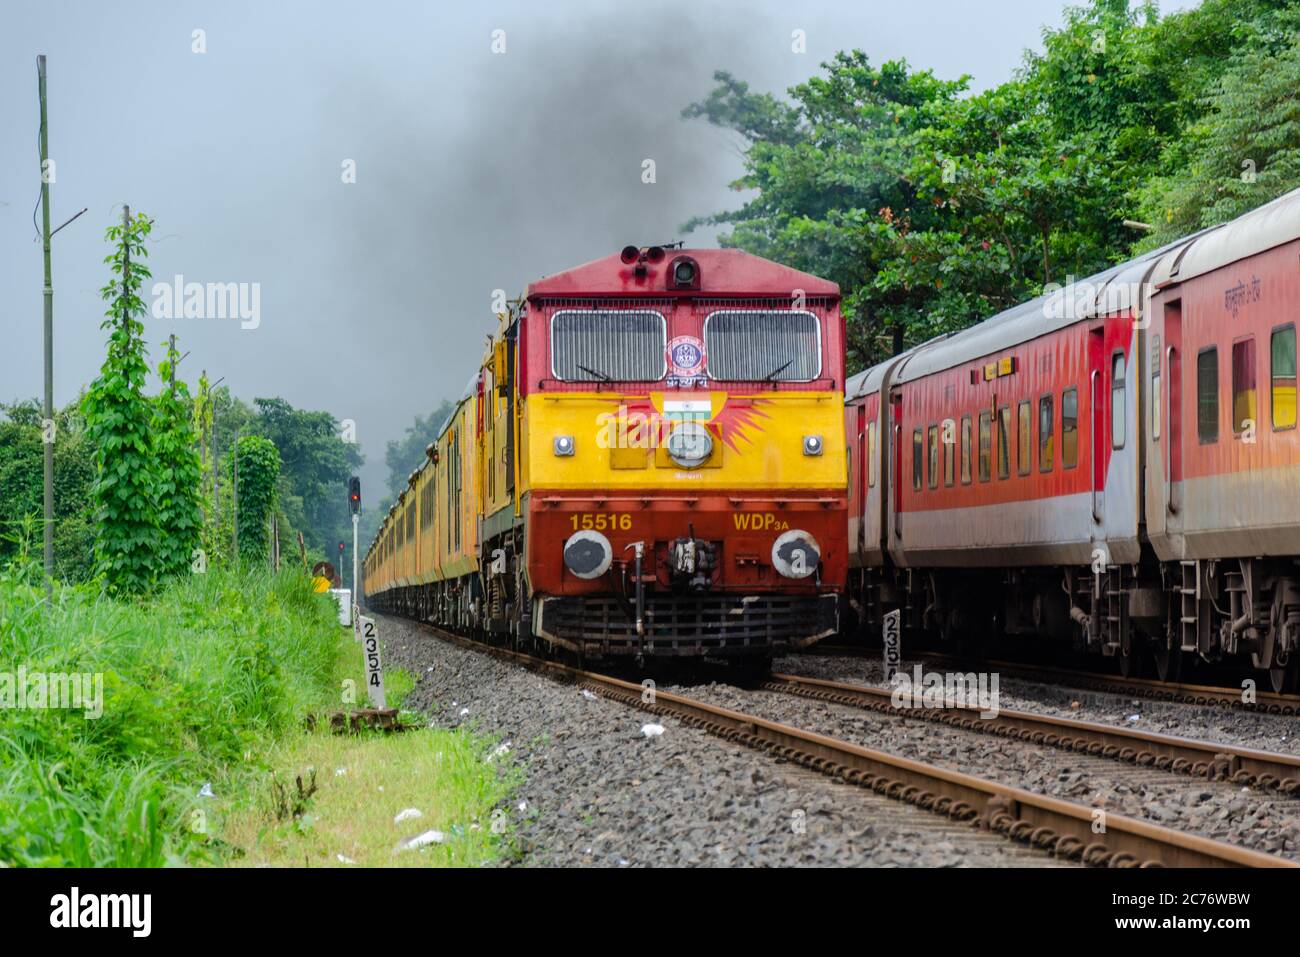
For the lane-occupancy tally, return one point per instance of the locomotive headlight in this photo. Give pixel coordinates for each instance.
(796, 554)
(563, 445)
(812, 445)
(684, 273)
(690, 445)
(587, 554)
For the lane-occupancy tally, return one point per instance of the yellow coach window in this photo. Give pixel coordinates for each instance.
(1243, 385)
(1024, 437)
(965, 449)
(1004, 442)
(917, 467)
(1070, 428)
(1046, 432)
(1283, 372)
(986, 443)
(932, 438)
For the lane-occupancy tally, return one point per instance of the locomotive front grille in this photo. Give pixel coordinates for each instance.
(689, 624)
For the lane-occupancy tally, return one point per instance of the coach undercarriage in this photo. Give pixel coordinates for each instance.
(1169, 614)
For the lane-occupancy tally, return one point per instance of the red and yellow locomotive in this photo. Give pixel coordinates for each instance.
(650, 462)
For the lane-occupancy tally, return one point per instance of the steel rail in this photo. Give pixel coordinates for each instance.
(1243, 766)
(1266, 702)
(1065, 829)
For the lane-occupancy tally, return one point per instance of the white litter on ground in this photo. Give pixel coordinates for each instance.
(652, 730)
(344, 859)
(408, 814)
(423, 840)
(206, 791)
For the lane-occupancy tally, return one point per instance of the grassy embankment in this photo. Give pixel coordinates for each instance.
(208, 683)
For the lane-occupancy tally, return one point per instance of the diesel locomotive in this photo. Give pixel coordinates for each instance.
(648, 463)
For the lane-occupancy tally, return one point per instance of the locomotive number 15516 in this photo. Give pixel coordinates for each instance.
(602, 521)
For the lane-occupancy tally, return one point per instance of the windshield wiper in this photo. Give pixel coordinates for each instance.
(777, 371)
(600, 375)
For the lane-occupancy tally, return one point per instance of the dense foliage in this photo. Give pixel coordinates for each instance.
(256, 469)
(119, 426)
(195, 682)
(180, 514)
(934, 208)
(22, 484)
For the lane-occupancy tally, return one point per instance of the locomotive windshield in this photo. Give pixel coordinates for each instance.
(763, 345)
(608, 345)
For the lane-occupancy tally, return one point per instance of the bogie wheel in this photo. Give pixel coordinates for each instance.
(1283, 680)
(1169, 662)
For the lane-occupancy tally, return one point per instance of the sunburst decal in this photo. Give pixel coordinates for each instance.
(734, 422)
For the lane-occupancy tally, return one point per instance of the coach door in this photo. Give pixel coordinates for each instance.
(1172, 467)
(1099, 435)
(896, 433)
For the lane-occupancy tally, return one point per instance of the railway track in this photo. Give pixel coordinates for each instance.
(1266, 702)
(1061, 828)
(1247, 767)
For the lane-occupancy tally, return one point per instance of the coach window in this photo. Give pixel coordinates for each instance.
(1004, 442)
(871, 455)
(986, 442)
(1024, 437)
(948, 452)
(1046, 431)
(1070, 428)
(917, 454)
(1207, 395)
(1283, 372)
(1117, 419)
(932, 437)
(1243, 386)
(965, 449)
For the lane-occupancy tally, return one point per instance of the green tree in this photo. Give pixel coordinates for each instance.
(119, 421)
(404, 455)
(180, 514)
(1242, 153)
(22, 484)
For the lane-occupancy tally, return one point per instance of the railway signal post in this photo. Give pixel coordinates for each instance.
(354, 502)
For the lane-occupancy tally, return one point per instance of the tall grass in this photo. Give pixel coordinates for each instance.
(196, 682)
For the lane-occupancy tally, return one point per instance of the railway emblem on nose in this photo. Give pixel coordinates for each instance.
(686, 355)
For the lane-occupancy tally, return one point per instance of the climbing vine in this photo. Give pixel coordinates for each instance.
(119, 424)
(180, 513)
(258, 463)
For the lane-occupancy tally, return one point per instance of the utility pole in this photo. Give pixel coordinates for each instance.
(171, 366)
(47, 432)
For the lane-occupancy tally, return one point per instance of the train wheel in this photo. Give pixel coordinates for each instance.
(1169, 663)
(1128, 663)
(1283, 680)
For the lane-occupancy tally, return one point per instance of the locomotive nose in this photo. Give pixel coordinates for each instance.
(796, 554)
(587, 554)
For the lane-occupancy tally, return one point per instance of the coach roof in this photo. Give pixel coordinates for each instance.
(723, 272)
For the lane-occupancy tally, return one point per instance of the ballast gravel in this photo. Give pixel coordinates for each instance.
(1251, 729)
(599, 789)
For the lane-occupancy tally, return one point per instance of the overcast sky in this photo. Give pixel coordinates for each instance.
(474, 170)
